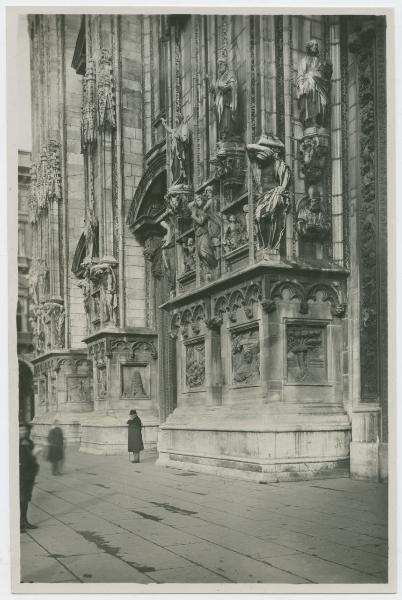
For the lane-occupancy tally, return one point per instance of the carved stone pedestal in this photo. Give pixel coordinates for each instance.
(125, 377)
(260, 378)
(63, 390)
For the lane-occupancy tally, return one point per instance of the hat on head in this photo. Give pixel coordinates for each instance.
(133, 412)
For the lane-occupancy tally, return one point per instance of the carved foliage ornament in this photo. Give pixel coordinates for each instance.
(88, 119)
(45, 180)
(106, 92)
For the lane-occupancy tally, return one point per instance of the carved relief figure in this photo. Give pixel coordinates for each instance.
(306, 358)
(272, 179)
(153, 253)
(195, 365)
(225, 94)
(180, 150)
(246, 357)
(189, 255)
(207, 229)
(313, 87)
(235, 234)
(310, 218)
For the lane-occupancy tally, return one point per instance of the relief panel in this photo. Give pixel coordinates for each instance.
(78, 389)
(135, 381)
(245, 351)
(195, 364)
(306, 353)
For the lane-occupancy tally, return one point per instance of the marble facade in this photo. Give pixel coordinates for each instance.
(209, 239)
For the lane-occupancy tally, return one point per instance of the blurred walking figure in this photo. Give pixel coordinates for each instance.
(55, 452)
(28, 470)
(135, 443)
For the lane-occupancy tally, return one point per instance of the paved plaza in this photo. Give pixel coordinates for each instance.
(107, 520)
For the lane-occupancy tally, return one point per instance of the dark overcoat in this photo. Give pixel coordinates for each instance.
(28, 469)
(135, 443)
(55, 442)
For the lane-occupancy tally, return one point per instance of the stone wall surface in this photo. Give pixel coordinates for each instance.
(208, 238)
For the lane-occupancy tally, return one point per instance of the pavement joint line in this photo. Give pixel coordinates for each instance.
(141, 537)
(230, 528)
(204, 539)
(294, 518)
(195, 535)
(54, 558)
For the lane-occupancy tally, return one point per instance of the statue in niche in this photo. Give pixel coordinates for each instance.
(246, 358)
(235, 233)
(189, 255)
(180, 151)
(207, 229)
(110, 295)
(310, 219)
(85, 286)
(168, 246)
(225, 94)
(272, 179)
(313, 87)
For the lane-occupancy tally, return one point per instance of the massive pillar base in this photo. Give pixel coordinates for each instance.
(276, 445)
(368, 456)
(63, 391)
(107, 433)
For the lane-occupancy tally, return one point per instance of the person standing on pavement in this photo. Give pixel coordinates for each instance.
(28, 470)
(55, 451)
(135, 443)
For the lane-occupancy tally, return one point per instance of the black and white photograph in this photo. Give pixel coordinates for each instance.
(202, 349)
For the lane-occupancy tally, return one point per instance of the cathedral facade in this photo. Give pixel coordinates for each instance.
(208, 208)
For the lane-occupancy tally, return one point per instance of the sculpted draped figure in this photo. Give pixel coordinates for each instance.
(181, 150)
(313, 87)
(272, 178)
(225, 94)
(207, 229)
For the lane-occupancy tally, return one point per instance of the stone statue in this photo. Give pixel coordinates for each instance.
(310, 219)
(313, 87)
(168, 245)
(225, 95)
(189, 255)
(272, 178)
(235, 233)
(207, 229)
(180, 151)
(110, 295)
(85, 286)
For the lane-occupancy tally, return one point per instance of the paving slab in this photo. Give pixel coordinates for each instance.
(104, 520)
(105, 569)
